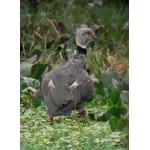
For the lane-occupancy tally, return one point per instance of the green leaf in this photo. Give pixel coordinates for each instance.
(29, 89)
(36, 103)
(125, 96)
(24, 86)
(103, 101)
(123, 110)
(37, 70)
(125, 83)
(25, 68)
(24, 96)
(115, 97)
(32, 59)
(108, 76)
(110, 102)
(28, 81)
(123, 123)
(113, 124)
(99, 89)
(116, 84)
(36, 83)
(115, 111)
(107, 92)
(119, 103)
(109, 115)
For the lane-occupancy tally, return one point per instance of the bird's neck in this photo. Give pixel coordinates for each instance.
(79, 57)
(81, 50)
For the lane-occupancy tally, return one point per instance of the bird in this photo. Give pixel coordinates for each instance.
(68, 87)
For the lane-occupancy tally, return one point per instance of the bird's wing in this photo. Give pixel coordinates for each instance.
(56, 87)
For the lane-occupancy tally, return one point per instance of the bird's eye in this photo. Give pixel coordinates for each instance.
(88, 33)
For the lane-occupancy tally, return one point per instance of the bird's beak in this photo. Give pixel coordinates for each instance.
(94, 37)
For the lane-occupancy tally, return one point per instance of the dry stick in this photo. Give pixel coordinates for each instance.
(38, 35)
(31, 46)
(53, 26)
(25, 109)
(61, 55)
(24, 49)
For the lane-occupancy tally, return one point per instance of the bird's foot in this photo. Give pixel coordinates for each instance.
(50, 120)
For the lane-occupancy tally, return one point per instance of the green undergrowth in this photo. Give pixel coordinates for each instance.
(69, 132)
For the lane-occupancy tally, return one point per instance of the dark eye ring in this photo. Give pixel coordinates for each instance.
(87, 32)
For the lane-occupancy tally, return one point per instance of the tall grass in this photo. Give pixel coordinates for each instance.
(56, 18)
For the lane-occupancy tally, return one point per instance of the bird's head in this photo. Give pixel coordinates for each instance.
(84, 36)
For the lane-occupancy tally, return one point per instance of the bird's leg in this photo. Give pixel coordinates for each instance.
(51, 120)
(81, 111)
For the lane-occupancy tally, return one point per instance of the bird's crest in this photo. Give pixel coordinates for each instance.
(82, 29)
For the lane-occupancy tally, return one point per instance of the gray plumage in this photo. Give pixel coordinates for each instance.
(68, 87)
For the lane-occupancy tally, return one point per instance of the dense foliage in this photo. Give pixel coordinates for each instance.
(47, 38)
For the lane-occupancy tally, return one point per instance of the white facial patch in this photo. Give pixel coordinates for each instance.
(83, 46)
